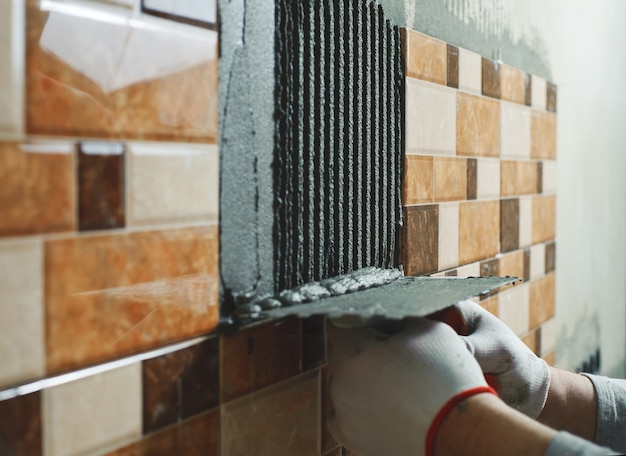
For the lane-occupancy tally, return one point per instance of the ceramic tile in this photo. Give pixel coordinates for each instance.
(283, 419)
(543, 135)
(313, 342)
(259, 357)
(549, 335)
(12, 70)
(328, 442)
(549, 176)
(538, 93)
(525, 221)
(490, 268)
(418, 182)
(539, 177)
(470, 71)
(21, 311)
(551, 97)
(451, 273)
(448, 235)
(37, 192)
(173, 183)
(478, 126)
(472, 178)
(491, 78)
(550, 358)
(512, 264)
(20, 426)
(426, 57)
(201, 14)
(450, 178)
(94, 413)
(544, 218)
(180, 384)
(518, 178)
(488, 178)
(542, 302)
(101, 186)
(469, 270)
(526, 264)
(528, 86)
(110, 295)
(537, 261)
(512, 84)
(514, 305)
(479, 230)
(430, 118)
(515, 130)
(453, 66)
(550, 262)
(419, 249)
(197, 436)
(533, 340)
(509, 224)
(491, 305)
(337, 451)
(92, 71)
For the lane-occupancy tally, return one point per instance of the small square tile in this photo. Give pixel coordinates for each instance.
(550, 97)
(12, 71)
(533, 341)
(543, 135)
(469, 270)
(426, 57)
(470, 71)
(20, 425)
(313, 342)
(513, 84)
(450, 178)
(490, 268)
(512, 264)
(488, 177)
(472, 178)
(430, 118)
(515, 130)
(453, 66)
(93, 413)
(525, 221)
(491, 78)
(544, 218)
(548, 176)
(448, 235)
(542, 300)
(539, 177)
(518, 178)
(514, 305)
(550, 358)
(451, 273)
(550, 262)
(528, 86)
(477, 126)
(479, 230)
(549, 333)
(526, 264)
(418, 181)
(491, 305)
(419, 250)
(537, 261)
(538, 92)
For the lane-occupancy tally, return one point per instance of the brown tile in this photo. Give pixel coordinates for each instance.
(453, 66)
(197, 436)
(37, 191)
(550, 257)
(179, 385)
(313, 342)
(426, 57)
(101, 186)
(419, 250)
(418, 182)
(138, 87)
(20, 426)
(518, 178)
(512, 84)
(450, 178)
(477, 126)
(509, 224)
(550, 97)
(490, 268)
(491, 78)
(544, 218)
(539, 177)
(527, 84)
(348, 452)
(542, 302)
(526, 265)
(543, 135)
(452, 273)
(550, 358)
(472, 178)
(491, 304)
(258, 357)
(512, 264)
(327, 440)
(479, 230)
(533, 341)
(112, 295)
(337, 451)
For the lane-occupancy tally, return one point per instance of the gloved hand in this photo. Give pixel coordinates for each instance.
(522, 379)
(390, 393)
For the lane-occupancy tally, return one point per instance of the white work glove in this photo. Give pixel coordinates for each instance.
(521, 378)
(390, 393)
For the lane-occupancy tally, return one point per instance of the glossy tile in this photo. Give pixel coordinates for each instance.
(490, 268)
(419, 244)
(543, 135)
(179, 385)
(418, 181)
(525, 221)
(544, 218)
(491, 78)
(110, 295)
(259, 357)
(512, 264)
(20, 426)
(101, 186)
(448, 235)
(550, 262)
(488, 178)
(477, 126)
(12, 70)
(453, 66)
(538, 92)
(37, 191)
(549, 176)
(173, 183)
(518, 178)
(515, 128)
(512, 84)
(514, 308)
(550, 97)
(542, 302)
(450, 178)
(21, 311)
(470, 71)
(479, 230)
(92, 71)
(430, 118)
(549, 334)
(94, 413)
(313, 342)
(426, 57)
(537, 261)
(282, 419)
(509, 224)
(472, 178)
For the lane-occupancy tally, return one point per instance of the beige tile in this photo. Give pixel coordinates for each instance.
(173, 183)
(430, 118)
(12, 68)
(21, 311)
(91, 414)
(470, 71)
(542, 300)
(512, 264)
(488, 178)
(282, 419)
(515, 130)
(491, 305)
(469, 270)
(450, 178)
(549, 176)
(418, 181)
(477, 126)
(525, 221)
(550, 358)
(479, 230)
(543, 135)
(538, 92)
(544, 218)
(531, 341)
(537, 261)
(518, 178)
(426, 57)
(549, 336)
(512, 84)
(448, 235)
(514, 308)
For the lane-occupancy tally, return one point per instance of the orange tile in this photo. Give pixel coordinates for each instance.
(117, 78)
(37, 191)
(491, 304)
(479, 230)
(418, 182)
(531, 341)
(450, 178)
(550, 358)
(426, 57)
(544, 218)
(477, 126)
(512, 264)
(542, 300)
(518, 177)
(512, 84)
(107, 296)
(543, 135)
